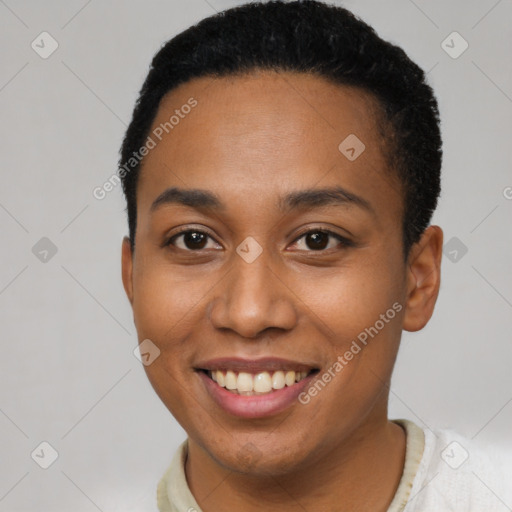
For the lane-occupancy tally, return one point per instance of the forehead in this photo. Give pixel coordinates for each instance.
(265, 132)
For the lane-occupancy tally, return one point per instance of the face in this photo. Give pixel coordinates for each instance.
(289, 250)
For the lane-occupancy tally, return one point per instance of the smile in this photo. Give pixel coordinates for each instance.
(254, 388)
(262, 383)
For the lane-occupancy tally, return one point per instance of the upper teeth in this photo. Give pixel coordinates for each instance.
(246, 383)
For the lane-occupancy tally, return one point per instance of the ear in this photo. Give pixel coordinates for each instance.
(423, 279)
(127, 268)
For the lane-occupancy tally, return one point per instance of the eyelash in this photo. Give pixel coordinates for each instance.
(344, 241)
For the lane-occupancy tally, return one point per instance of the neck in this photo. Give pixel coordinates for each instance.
(360, 473)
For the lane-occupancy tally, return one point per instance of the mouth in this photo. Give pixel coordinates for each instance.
(254, 388)
(256, 383)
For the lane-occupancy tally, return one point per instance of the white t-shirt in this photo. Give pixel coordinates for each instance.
(443, 472)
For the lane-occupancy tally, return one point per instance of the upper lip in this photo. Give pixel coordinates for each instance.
(263, 364)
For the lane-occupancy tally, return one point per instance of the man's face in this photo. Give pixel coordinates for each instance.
(207, 295)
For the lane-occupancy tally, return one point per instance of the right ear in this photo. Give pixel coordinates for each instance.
(127, 268)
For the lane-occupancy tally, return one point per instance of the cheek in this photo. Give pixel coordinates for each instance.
(350, 299)
(163, 302)
(165, 310)
(361, 315)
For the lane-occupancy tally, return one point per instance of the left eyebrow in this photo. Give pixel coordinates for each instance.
(317, 197)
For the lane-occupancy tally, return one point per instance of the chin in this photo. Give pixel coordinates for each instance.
(257, 456)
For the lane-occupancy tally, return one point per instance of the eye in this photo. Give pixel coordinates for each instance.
(192, 240)
(319, 240)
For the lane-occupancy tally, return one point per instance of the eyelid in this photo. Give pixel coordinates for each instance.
(344, 240)
(190, 228)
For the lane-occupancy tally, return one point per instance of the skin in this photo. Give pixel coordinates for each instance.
(250, 140)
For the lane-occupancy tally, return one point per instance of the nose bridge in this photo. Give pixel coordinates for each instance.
(251, 298)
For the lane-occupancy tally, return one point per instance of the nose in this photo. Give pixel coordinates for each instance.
(251, 298)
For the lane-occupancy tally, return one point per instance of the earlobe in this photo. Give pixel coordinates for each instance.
(423, 279)
(127, 268)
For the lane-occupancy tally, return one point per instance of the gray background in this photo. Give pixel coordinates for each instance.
(68, 373)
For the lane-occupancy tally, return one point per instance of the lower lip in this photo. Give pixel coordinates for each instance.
(255, 406)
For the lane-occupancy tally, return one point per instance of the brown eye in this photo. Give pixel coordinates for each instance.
(194, 240)
(190, 240)
(319, 240)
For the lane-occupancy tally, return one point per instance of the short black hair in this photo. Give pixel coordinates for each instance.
(309, 37)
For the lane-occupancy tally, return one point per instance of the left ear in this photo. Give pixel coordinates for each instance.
(423, 278)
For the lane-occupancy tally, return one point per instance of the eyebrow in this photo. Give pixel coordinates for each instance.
(301, 199)
(317, 197)
(195, 198)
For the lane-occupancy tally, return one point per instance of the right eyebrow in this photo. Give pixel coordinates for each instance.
(195, 198)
